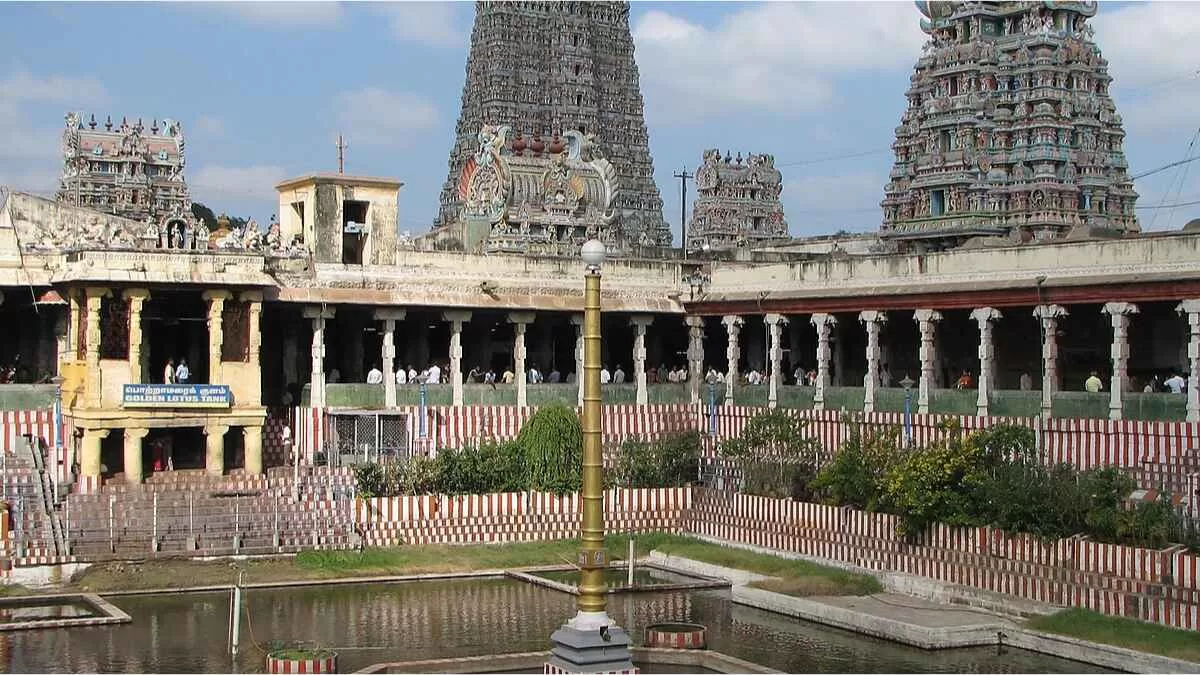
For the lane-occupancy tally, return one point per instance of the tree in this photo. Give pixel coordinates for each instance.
(206, 214)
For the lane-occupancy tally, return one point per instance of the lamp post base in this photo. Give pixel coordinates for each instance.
(590, 643)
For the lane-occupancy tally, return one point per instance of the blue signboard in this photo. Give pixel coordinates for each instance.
(177, 396)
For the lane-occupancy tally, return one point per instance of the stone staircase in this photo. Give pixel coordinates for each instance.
(29, 491)
(187, 513)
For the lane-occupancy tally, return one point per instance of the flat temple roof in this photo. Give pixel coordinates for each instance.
(340, 179)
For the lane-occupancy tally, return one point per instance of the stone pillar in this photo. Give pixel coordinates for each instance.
(389, 317)
(639, 324)
(1049, 316)
(137, 369)
(1119, 312)
(252, 437)
(92, 353)
(874, 321)
(134, 470)
(927, 320)
(577, 321)
(316, 396)
(695, 354)
(985, 316)
(214, 455)
(733, 326)
(824, 324)
(254, 299)
(775, 324)
(216, 333)
(520, 320)
(89, 453)
(1190, 310)
(456, 319)
(62, 341)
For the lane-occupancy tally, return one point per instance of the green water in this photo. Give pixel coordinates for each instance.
(371, 623)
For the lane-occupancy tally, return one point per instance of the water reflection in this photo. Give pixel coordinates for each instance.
(390, 622)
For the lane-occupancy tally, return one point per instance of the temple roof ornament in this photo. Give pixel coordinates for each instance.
(738, 203)
(1010, 134)
(514, 200)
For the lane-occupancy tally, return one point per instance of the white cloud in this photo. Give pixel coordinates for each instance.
(210, 125)
(22, 87)
(429, 23)
(376, 116)
(774, 57)
(213, 183)
(282, 14)
(1150, 47)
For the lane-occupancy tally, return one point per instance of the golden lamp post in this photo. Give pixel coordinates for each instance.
(591, 641)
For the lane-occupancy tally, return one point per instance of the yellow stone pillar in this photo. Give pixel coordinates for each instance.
(214, 456)
(216, 333)
(72, 353)
(134, 470)
(137, 300)
(89, 460)
(252, 443)
(92, 353)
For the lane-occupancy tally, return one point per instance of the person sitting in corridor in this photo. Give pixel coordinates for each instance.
(375, 375)
(1093, 384)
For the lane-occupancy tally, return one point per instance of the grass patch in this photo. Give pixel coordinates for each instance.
(799, 576)
(7, 590)
(301, 654)
(1121, 632)
(796, 577)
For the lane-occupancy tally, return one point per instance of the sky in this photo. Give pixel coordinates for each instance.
(264, 89)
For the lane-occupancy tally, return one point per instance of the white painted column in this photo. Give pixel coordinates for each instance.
(456, 319)
(695, 354)
(985, 316)
(520, 321)
(824, 324)
(775, 324)
(733, 326)
(639, 324)
(577, 321)
(389, 317)
(874, 321)
(1049, 316)
(1190, 310)
(318, 315)
(1119, 312)
(927, 320)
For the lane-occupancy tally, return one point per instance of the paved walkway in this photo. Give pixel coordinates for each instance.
(915, 611)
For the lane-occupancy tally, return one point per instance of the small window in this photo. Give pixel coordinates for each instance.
(945, 139)
(354, 231)
(937, 203)
(577, 69)
(579, 99)
(298, 209)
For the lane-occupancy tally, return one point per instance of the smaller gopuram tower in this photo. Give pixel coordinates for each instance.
(737, 205)
(1010, 131)
(125, 169)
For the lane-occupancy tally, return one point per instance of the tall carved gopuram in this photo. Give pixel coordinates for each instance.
(737, 205)
(543, 69)
(1010, 131)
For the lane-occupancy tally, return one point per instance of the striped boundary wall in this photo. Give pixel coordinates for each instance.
(513, 516)
(38, 423)
(1163, 450)
(1158, 586)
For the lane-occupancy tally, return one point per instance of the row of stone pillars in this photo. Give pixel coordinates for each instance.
(456, 319)
(927, 319)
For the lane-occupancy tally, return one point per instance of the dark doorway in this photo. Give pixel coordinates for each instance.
(175, 326)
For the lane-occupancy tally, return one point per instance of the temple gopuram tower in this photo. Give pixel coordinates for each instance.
(1010, 131)
(126, 169)
(545, 68)
(738, 204)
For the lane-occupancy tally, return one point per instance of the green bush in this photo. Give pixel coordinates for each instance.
(937, 483)
(776, 457)
(670, 461)
(551, 445)
(856, 476)
(481, 468)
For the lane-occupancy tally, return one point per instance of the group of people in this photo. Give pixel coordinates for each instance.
(1175, 383)
(177, 373)
(432, 374)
